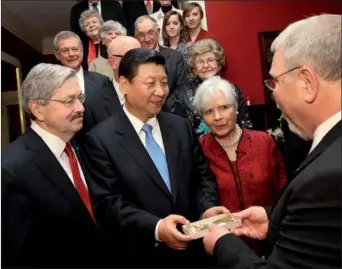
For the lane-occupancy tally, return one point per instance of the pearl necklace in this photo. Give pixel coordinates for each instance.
(237, 138)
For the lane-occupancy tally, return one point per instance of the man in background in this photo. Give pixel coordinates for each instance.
(116, 50)
(147, 33)
(101, 98)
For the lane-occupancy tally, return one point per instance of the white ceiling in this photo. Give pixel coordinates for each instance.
(46, 18)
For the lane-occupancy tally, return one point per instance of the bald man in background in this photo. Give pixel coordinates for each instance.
(116, 50)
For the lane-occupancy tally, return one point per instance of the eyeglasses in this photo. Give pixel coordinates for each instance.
(210, 61)
(70, 102)
(271, 83)
(67, 50)
(150, 34)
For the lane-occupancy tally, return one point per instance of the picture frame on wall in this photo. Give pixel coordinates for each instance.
(265, 41)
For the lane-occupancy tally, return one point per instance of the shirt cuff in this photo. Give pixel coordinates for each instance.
(156, 237)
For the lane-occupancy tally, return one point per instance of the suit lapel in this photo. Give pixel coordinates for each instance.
(130, 141)
(170, 145)
(53, 171)
(327, 140)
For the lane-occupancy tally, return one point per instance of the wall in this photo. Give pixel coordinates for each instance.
(236, 25)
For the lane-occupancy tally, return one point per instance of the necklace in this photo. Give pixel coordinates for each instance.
(237, 138)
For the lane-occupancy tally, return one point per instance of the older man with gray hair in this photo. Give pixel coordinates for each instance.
(147, 32)
(303, 229)
(47, 215)
(102, 100)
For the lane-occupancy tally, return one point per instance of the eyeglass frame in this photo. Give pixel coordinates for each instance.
(149, 33)
(81, 98)
(275, 79)
(67, 50)
(206, 62)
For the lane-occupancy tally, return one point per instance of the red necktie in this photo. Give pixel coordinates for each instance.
(79, 185)
(148, 4)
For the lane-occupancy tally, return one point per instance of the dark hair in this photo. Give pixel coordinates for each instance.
(184, 35)
(131, 61)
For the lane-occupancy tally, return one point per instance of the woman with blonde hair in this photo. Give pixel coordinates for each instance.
(206, 58)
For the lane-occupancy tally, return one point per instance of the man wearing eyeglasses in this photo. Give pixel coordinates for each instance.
(47, 215)
(102, 100)
(303, 228)
(147, 33)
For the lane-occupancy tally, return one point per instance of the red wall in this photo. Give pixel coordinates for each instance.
(236, 25)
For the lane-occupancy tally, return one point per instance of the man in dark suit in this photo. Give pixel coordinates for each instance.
(147, 33)
(150, 174)
(303, 229)
(135, 9)
(109, 10)
(46, 209)
(101, 98)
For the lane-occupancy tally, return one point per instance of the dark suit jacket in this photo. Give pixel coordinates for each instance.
(44, 221)
(130, 191)
(177, 73)
(110, 10)
(305, 223)
(101, 99)
(135, 9)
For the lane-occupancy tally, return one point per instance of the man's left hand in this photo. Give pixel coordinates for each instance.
(213, 211)
(215, 232)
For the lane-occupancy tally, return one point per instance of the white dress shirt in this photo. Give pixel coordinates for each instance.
(324, 128)
(159, 17)
(151, 5)
(156, 133)
(119, 92)
(80, 78)
(90, 5)
(57, 146)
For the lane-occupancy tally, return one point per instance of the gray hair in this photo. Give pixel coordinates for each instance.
(65, 35)
(145, 17)
(203, 46)
(87, 14)
(111, 26)
(206, 90)
(315, 42)
(42, 81)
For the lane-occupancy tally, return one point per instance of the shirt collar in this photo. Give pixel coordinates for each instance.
(324, 128)
(55, 144)
(138, 124)
(118, 91)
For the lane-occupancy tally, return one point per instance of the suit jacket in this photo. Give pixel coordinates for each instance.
(101, 100)
(305, 224)
(44, 221)
(130, 191)
(110, 10)
(135, 9)
(177, 73)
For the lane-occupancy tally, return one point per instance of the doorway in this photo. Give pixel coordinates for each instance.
(12, 114)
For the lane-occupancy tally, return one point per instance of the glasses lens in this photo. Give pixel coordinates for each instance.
(270, 83)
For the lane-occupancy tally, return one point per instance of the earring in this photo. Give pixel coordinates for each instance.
(237, 112)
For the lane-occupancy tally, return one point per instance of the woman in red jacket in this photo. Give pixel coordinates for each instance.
(248, 167)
